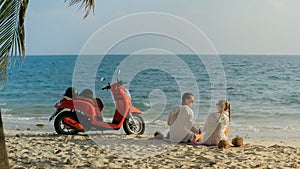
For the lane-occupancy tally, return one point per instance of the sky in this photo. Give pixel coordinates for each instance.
(232, 26)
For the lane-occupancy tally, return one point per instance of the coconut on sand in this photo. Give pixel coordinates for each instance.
(237, 141)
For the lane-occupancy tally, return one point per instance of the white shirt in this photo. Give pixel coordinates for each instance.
(173, 114)
(183, 127)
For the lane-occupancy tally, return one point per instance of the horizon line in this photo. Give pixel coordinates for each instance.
(224, 54)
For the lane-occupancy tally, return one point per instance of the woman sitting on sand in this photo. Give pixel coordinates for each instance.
(216, 125)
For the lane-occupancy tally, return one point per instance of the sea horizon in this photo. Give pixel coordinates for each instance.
(179, 54)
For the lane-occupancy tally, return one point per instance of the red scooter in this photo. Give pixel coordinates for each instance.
(75, 114)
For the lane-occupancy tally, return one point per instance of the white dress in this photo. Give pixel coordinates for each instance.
(183, 128)
(214, 128)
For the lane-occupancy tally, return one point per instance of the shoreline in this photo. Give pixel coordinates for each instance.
(114, 150)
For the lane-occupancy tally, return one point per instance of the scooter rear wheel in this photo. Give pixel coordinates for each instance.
(61, 128)
(134, 127)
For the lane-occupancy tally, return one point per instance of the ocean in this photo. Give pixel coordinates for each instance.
(264, 90)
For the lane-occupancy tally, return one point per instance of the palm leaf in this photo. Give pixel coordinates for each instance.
(12, 34)
(88, 5)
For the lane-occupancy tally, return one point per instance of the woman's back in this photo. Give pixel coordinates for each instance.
(214, 128)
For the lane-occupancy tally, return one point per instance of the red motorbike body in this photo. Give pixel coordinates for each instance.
(123, 105)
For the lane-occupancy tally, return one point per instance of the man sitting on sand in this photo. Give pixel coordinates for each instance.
(181, 121)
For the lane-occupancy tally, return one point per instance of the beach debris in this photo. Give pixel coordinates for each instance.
(158, 135)
(66, 139)
(28, 129)
(223, 144)
(40, 125)
(237, 141)
(259, 165)
(275, 146)
(138, 136)
(57, 151)
(161, 155)
(211, 163)
(294, 165)
(68, 161)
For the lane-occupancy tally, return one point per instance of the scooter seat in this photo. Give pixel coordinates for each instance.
(66, 97)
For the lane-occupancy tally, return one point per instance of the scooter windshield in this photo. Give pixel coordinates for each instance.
(127, 93)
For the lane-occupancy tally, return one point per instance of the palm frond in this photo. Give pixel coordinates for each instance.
(88, 5)
(12, 34)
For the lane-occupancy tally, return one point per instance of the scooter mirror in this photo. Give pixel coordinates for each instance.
(102, 79)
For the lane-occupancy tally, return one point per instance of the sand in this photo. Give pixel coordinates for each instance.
(32, 149)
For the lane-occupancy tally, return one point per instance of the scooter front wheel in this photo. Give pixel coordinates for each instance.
(62, 128)
(134, 124)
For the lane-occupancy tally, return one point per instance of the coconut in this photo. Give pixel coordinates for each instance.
(158, 135)
(223, 144)
(237, 141)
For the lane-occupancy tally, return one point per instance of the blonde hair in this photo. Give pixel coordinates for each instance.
(225, 106)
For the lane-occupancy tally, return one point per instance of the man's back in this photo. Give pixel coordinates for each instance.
(173, 114)
(180, 130)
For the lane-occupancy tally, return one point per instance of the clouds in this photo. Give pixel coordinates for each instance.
(289, 6)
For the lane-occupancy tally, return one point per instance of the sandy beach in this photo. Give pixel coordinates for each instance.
(34, 149)
(202, 71)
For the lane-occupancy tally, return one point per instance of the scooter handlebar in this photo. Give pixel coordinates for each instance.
(120, 83)
(106, 88)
